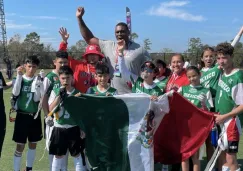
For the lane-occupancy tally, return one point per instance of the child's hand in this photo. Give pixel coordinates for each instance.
(62, 92)
(202, 97)
(49, 121)
(170, 93)
(78, 94)
(219, 119)
(20, 70)
(107, 94)
(154, 98)
(175, 88)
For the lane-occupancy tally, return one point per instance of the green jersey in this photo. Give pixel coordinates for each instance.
(230, 91)
(210, 78)
(161, 82)
(139, 86)
(96, 91)
(25, 101)
(192, 92)
(51, 82)
(64, 117)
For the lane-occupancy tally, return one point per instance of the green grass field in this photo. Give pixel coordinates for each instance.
(6, 162)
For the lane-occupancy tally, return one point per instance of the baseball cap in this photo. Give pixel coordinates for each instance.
(93, 49)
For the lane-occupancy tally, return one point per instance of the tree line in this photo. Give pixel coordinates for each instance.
(31, 45)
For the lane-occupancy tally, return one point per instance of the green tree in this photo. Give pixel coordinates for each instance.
(133, 36)
(77, 50)
(147, 43)
(195, 47)
(16, 52)
(32, 43)
(238, 54)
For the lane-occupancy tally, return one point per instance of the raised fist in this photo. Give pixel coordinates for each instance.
(121, 45)
(80, 12)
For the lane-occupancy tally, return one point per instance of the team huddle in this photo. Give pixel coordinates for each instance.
(112, 68)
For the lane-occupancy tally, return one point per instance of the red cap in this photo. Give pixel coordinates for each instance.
(93, 49)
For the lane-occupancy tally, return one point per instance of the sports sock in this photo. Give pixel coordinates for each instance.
(65, 162)
(17, 160)
(31, 153)
(57, 164)
(50, 157)
(78, 163)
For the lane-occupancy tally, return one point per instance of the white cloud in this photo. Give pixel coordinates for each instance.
(169, 9)
(43, 17)
(10, 24)
(10, 14)
(48, 40)
(235, 20)
(13, 25)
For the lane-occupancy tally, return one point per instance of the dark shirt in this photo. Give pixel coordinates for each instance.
(2, 84)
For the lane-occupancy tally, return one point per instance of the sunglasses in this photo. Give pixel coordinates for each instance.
(149, 70)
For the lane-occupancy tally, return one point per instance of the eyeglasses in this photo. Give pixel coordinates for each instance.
(149, 70)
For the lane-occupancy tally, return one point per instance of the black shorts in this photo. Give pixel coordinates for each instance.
(233, 146)
(63, 139)
(2, 128)
(27, 127)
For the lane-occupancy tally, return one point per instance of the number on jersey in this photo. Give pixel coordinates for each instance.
(29, 96)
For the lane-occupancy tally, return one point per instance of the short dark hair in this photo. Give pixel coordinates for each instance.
(194, 68)
(225, 48)
(102, 68)
(33, 59)
(122, 24)
(159, 61)
(61, 54)
(65, 70)
(178, 54)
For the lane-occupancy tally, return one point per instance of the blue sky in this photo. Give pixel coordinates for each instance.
(168, 24)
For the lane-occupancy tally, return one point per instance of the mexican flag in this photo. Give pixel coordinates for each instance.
(126, 132)
(182, 131)
(119, 130)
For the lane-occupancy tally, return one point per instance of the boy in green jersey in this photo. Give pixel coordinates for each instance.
(102, 75)
(28, 90)
(161, 78)
(210, 72)
(143, 83)
(200, 97)
(51, 81)
(65, 134)
(229, 104)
